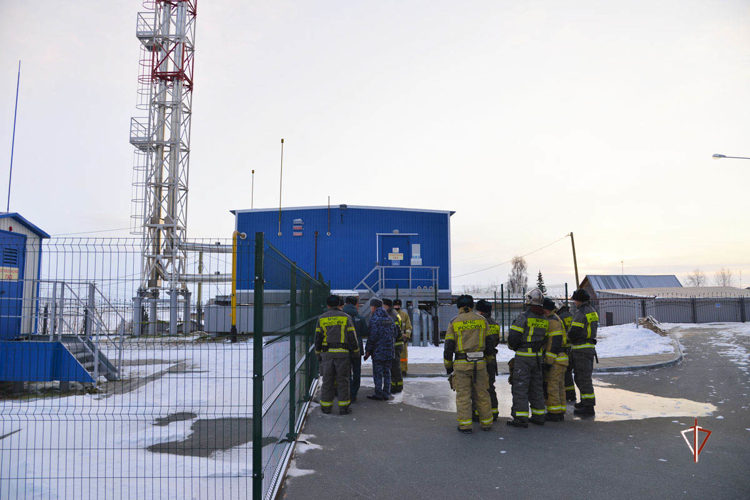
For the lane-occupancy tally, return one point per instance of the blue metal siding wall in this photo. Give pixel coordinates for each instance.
(350, 252)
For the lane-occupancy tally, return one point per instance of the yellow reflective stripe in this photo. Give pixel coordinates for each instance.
(535, 411)
(562, 357)
(556, 408)
(555, 333)
(575, 323)
(522, 414)
(486, 421)
(552, 355)
(583, 346)
(338, 350)
(570, 387)
(464, 422)
(516, 328)
(587, 396)
(326, 403)
(344, 403)
(449, 335)
(495, 411)
(397, 383)
(528, 354)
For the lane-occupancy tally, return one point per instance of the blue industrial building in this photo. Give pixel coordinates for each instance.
(355, 247)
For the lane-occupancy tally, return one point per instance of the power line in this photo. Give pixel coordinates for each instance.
(511, 260)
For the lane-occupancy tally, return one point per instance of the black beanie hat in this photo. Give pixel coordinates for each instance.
(376, 302)
(549, 304)
(388, 302)
(581, 295)
(484, 306)
(333, 301)
(352, 300)
(397, 302)
(465, 301)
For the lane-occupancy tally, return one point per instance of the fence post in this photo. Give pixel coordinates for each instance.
(258, 369)
(694, 307)
(187, 324)
(174, 295)
(89, 315)
(137, 316)
(292, 355)
(566, 295)
(742, 309)
(502, 312)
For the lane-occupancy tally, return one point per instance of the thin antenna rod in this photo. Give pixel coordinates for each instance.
(281, 177)
(13, 141)
(252, 192)
(329, 217)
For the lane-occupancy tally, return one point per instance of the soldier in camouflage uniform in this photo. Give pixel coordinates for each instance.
(380, 347)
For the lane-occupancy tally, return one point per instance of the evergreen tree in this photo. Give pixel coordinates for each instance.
(540, 283)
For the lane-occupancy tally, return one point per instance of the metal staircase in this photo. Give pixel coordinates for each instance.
(81, 326)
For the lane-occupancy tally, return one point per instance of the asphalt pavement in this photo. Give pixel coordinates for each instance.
(412, 450)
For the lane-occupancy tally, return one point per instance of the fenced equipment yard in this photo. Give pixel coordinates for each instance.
(102, 394)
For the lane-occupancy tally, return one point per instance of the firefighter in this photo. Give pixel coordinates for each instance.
(563, 311)
(527, 335)
(397, 379)
(406, 331)
(555, 364)
(335, 345)
(493, 339)
(582, 336)
(465, 341)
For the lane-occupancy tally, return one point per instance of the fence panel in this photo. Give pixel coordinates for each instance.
(110, 390)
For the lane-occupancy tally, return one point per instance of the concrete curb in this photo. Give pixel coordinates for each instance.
(676, 359)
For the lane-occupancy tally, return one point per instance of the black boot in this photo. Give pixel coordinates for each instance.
(464, 431)
(553, 417)
(376, 397)
(570, 396)
(537, 419)
(517, 422)
(345, 410)
(586, 411)
(579, 405)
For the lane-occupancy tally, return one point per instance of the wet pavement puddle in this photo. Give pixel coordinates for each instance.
(612, 404)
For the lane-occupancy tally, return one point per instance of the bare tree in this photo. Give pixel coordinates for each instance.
(723, 277)
(518, 279)
(696, 278)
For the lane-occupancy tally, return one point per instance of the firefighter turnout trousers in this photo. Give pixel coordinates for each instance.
(491, 376)
(583, 368)
(405, 357)
(527, 387)
(555, 378)
(469, 380)
(570, 388)
(336, 372)
(397, 378)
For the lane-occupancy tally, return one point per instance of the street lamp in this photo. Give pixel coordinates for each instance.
(719, 157)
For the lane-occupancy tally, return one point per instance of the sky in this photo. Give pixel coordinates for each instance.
(529, 119)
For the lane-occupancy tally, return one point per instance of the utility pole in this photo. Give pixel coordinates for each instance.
(575, 261)
(252, 192)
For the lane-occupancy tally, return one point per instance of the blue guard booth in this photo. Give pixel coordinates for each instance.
(24, 355)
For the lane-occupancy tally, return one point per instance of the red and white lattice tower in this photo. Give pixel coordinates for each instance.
(162, 140)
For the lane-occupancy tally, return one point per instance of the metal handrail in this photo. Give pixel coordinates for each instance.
(381, 281)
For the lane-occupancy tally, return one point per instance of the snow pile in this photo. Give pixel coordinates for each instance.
(627, 340)
(724, 337)
(612, 342)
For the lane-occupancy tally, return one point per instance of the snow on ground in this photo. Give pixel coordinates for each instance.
(105, 435)
(613, 341)
(724, 338)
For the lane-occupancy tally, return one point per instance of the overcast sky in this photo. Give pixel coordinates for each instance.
(529, 119)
